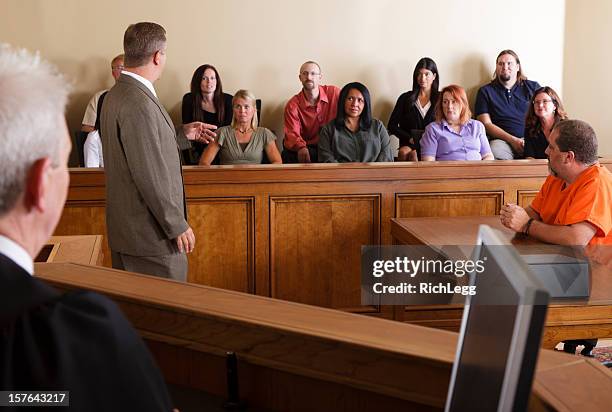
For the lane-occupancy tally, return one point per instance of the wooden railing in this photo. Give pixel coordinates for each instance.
(299, 357)
(294, 232)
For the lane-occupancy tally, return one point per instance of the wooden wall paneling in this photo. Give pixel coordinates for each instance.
(85, 218)
(485, 203)
(262, 244)
(315, 247)
(387, 213)
(225, 250)
(554, 334)
(402, 189)
(525, 197)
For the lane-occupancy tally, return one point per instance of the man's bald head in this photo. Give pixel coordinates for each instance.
(309, 63)
(310, 76)
(117, 65)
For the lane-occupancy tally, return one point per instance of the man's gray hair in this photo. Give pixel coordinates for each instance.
(33, 96)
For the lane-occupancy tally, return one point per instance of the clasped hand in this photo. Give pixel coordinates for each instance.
(514, 217)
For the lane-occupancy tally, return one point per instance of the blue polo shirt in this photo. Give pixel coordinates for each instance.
(507, 108)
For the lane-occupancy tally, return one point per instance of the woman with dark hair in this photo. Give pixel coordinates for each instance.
(206, 103)
(414, 110)
(543, 114)
(454, 135)
(353, 136)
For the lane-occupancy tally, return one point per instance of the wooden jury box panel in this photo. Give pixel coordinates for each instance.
(224, 252)
(484, 203)
(295, 232)
(315, 245)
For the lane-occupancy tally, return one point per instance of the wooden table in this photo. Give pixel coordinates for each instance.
(590, 318)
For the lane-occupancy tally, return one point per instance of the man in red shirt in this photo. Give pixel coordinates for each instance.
(574, 206)
(305, 113)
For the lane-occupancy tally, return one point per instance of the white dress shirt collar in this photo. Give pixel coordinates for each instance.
(17, 254)
(142, 80)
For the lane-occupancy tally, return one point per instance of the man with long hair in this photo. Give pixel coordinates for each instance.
(502, 105)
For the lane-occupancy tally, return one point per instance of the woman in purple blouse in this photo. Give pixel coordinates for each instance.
(454, 135)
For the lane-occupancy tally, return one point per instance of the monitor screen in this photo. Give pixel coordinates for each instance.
(500, 332)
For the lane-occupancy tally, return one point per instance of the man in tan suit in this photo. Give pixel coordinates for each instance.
(146, 215)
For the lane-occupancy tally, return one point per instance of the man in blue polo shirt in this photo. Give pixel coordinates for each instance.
(502, 105)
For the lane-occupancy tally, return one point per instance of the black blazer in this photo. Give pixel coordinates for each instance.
(78, 341)
(406, 117)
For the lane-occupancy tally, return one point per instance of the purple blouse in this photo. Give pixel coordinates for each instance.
(443, 143)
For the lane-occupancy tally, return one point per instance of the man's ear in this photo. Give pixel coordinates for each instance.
(571, 157)
(157, 57)
(36, 185)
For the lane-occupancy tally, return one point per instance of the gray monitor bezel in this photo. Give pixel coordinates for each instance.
(530, 293)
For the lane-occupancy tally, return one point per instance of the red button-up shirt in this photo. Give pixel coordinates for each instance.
(303, 121)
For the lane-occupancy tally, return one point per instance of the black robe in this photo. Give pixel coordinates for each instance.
(78, 341)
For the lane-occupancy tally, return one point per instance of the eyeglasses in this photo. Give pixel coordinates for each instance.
(544, 102)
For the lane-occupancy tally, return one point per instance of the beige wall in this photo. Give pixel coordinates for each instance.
(260, 44)
(588, 66)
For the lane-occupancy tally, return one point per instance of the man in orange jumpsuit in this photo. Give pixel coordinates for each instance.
(574, 206)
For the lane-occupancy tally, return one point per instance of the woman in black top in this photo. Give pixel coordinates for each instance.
(205, 103)
(415, 109)
(544, 113)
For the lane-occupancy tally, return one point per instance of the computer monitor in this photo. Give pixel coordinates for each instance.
(500, 333)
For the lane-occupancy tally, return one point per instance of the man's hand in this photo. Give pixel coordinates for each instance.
(201, 132)
(303, 155)
(514, 217)
(186, 241)
(518, 145)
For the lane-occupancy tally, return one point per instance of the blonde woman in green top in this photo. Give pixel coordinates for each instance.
(243, 142)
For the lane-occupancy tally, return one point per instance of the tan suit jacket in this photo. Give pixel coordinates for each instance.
(145, 201)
